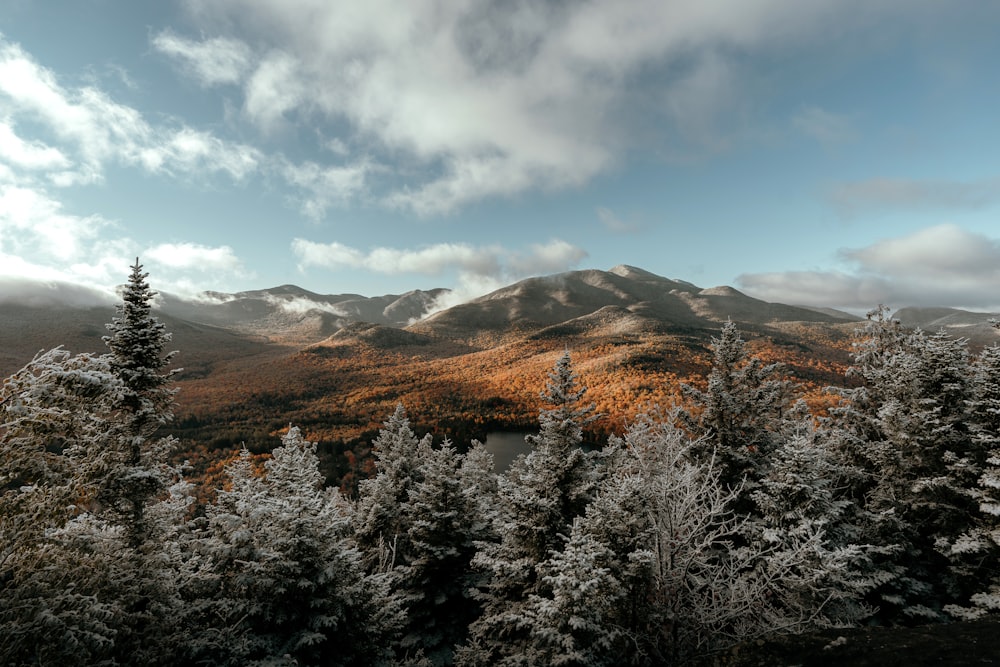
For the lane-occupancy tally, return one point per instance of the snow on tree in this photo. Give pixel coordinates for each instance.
(981, 542)
(49, 611)
(538, 498)
(799, 503)
(128, 469)
(435, 581)
(380, 526)
(908, 429)
(282, 580)
(573, 623)
(735, 417)
(710, 586)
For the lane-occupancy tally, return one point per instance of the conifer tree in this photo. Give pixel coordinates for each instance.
(49, 608)
(435, 582)
(735, 418)
(129, 469)
(283, 582)
(538, 498)
(380, 525)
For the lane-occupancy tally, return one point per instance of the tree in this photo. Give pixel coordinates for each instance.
(49, 609)
(538, 498)
(444, 524)
(129, 470)
(735, 418)
(380, 525)
(708, 584)
(283, 582)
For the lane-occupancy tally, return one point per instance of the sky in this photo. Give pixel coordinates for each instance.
(838, 153)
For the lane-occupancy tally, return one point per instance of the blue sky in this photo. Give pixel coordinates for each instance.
(833, 152)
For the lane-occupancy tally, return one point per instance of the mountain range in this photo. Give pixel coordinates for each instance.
(339, 361)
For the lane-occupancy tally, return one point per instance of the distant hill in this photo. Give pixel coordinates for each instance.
(976, 327)
(336, 364)
(624, 299)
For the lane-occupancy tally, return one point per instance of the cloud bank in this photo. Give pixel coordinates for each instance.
(480, 100)
(944, 264)
(480, 269)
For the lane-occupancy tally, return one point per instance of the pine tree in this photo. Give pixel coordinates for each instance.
(444, 524)
(736, 417)
(538, 498)
(380, 525)
(49, 609)
(128, 469)
(283, 582)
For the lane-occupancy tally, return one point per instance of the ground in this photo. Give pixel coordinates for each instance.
(953, 644)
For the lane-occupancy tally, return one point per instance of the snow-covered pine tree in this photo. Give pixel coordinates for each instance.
(907, 429)
(799, 503)
(735, 418)
(981, 543)
(538, 498)
(128, 470)
(283, 581)
(575, 621)
(379, 524)
(49, 611)
(435, 582)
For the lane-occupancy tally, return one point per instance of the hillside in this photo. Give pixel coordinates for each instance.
(337, 364)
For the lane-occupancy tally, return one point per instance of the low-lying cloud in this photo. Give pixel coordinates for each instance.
(940, 265)
(480, 269)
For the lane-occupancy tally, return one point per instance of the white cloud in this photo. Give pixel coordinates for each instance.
(493, 99)
(491, 262)
(212, 62)
(32, 222)
(612, 222)
(192, 256)
(321, 187)
(941, 265)
(48, 292)
(93, 131)
(274, 89)
(29, 154)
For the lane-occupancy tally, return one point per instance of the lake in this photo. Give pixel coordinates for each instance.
(505, 447)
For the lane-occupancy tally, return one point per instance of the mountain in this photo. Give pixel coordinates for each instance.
(976, 327)
(290, 314)
(624, 299)
(337, 364)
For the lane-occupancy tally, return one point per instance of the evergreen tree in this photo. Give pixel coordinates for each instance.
(283, 582)
(538, 498)
(435, 582)
(128, 470)
(49, 608)
(381, 526)
(736, 417)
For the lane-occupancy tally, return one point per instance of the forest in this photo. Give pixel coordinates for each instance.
(735, 514)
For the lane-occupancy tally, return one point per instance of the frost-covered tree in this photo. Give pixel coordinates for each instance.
(86, 426)
(128, 469)
(980, 544)
(735, 418)
(282, 581)
(380, 525)
(49, 608)
(908, 429)
(710, 585)
(436, 580)
(798, 503)
(538, 498)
